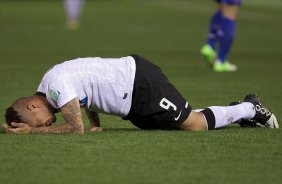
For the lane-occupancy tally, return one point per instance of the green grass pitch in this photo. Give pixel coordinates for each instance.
(170, 33)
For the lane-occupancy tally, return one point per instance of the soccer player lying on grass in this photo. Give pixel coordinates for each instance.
(129, 87)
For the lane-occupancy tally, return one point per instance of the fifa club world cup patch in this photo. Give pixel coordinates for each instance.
(54, 94)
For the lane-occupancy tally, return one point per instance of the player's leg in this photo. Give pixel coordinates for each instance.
(208, 50)
(157, 104)
(218, 116)
(226, 35)
(195, 122)
(213, 28)
(73, 10)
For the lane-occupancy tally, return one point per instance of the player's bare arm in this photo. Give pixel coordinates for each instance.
(73, 122)
(94, 121)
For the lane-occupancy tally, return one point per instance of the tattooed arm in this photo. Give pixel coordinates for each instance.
(94, 121)
(73, 122)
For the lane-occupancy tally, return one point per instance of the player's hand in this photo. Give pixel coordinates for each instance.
(95, 129)
(5, 126)
(20, 128)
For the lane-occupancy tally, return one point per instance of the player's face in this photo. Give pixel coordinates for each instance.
(39, 117)
(43, 117)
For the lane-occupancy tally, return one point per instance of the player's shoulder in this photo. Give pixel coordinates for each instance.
(54, 74)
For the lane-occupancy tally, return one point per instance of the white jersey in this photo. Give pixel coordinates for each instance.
(101, 84)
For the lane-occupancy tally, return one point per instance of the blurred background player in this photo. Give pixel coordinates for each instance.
(221, 34)
(73, 10)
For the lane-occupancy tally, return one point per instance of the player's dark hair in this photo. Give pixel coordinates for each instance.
(12, 116)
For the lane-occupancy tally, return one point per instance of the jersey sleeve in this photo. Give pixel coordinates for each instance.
(60, 91)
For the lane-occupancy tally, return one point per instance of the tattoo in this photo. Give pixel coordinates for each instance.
(93, 117)
(56, 129)
(73, 120)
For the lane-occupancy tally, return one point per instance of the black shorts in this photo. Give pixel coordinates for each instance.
(156, 104)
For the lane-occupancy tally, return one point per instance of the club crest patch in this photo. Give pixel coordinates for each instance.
(54, 94)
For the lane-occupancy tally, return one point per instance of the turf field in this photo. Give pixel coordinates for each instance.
(170, 33)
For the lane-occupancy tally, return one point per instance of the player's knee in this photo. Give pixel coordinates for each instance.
(195, 122)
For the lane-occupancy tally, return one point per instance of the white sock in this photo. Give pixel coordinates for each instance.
(229, 114)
